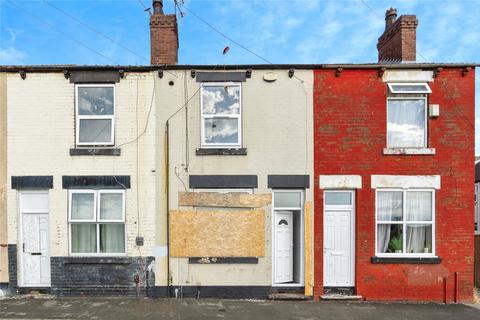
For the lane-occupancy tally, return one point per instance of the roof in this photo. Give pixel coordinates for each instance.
(146, 68)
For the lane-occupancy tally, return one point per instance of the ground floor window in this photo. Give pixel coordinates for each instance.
(405, 222)
(97, 221)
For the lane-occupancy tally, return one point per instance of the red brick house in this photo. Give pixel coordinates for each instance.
(394, 143)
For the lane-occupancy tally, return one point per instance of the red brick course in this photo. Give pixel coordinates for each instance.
(349, 136)
(163, 39)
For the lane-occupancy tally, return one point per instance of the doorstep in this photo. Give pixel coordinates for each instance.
(341, 297)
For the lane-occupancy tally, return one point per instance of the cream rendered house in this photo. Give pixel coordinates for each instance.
(238, 155)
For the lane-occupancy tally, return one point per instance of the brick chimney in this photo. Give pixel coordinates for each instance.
(163, 36)
(398, 43)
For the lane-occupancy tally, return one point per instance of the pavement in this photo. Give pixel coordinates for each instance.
(184, 309)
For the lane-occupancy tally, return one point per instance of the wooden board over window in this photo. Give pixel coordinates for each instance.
(217, 233)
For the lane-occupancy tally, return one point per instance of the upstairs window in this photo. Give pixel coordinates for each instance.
(95, 114)
(221, 115)
(407, 115)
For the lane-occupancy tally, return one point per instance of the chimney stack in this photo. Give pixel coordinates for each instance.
(398, 43)
(163, 36)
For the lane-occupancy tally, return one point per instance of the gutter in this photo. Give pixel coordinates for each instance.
(61, 68)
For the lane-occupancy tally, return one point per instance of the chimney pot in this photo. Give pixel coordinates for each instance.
(390, 17)
(157, 6)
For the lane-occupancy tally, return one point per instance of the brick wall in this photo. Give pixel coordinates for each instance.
(12, 267)
(100, 276)
(163, 39)
(349, 135)
(477, 260)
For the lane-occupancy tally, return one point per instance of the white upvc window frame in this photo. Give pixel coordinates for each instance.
(404, 222)
(97, 221)
(302, 231)
(425, 102)
(79, 117)
(340, 206)
(229, 116)
(424, 84)
(70, 202)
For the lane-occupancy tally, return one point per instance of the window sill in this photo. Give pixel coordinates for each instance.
(409, 151)
(95, 151)
(223, 260)
(221, 151)
(406, 260)
(96, 260)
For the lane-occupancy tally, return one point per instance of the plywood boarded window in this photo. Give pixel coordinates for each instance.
(217, 233)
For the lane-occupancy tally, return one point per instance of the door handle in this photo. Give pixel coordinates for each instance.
(23, 247)
(36, 253)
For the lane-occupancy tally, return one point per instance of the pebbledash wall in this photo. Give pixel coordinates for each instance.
(350, 136)
(41, 142)
(220, 246)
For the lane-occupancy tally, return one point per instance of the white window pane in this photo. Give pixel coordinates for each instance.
(406, 123)
(221, 130)
(112, 238)
(338, 198)
(419, 238)
(220, 100)
(95, 100)
(389, 205)
(287, 199)
(84, 238)
(390, 238)
(83, 206)
(95, 131)
(410, 88)
(34, 202)
(419, 206)
(111, 206)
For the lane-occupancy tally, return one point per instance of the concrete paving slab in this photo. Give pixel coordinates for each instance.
(185, 309)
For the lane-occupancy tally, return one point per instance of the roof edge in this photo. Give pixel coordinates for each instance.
(61, 68)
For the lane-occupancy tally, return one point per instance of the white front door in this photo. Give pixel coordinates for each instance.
(339, 237)
(35, 257)
(283, 246)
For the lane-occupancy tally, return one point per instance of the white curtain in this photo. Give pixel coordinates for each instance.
(389, 208)
(112, 238)
(419, 208)
(419, 238)
(84, 238)
(406, 123)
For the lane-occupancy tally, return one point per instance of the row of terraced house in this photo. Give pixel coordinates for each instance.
(240, 181)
